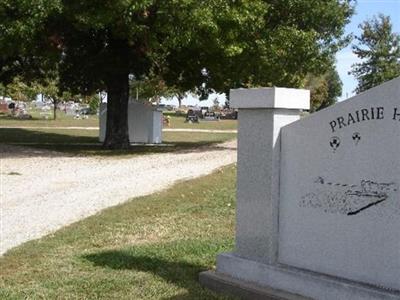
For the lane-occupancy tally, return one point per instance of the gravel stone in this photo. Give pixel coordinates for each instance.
(42, 191)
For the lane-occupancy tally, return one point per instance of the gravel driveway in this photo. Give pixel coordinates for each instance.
(42, 191)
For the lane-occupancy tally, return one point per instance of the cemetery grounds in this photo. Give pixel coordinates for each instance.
(151, 247)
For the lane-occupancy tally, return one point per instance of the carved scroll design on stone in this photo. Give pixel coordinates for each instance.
(352, 199)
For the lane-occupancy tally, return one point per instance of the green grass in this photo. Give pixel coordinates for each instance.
(93, 121)
(85, 142)
(179, 122)
(151, 247)
(38, 121)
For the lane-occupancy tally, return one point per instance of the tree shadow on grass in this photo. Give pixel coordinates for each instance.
(62, 144)
(172, 269)
(180, 273)
(31, 136)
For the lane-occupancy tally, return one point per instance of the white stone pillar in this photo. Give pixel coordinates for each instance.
(262, 113)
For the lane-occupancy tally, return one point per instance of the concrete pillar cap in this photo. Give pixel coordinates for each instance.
(274, 97)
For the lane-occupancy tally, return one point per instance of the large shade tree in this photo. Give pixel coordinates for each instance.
(378, 48)
(209, 45)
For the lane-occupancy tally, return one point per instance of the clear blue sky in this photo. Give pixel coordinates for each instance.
(365, 9)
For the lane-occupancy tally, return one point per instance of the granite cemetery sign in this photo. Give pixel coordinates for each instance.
(318, 211)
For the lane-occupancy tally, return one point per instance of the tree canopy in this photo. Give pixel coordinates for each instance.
(325, 89)
(212, 45)
(379, 50)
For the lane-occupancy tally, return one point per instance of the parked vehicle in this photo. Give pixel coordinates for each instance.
(192, 116)
(84, 111)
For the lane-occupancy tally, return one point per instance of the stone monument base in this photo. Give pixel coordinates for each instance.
(253, 280)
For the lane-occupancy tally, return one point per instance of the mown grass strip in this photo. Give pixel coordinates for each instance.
(85, 142)
(151, 247)
(93, 121)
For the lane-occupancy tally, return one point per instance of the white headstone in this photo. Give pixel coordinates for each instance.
(318, 200)
(144, 122)
(340, 189)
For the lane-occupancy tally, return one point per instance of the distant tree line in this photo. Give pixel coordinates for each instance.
(48, 90)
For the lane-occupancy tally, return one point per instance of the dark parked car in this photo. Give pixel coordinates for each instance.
(191, 116)
(84, 111)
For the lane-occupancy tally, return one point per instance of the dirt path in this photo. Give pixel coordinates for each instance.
(42, 191)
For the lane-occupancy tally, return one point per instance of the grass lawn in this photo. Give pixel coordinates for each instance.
(93, 121)
(85, 142)
(38, 121)
(151, 247)
(179, 122)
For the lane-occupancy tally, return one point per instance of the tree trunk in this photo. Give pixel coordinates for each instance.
(180, 101)
(55, 109)
(117, 136)
(117, 83)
